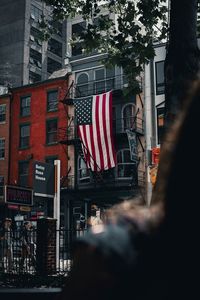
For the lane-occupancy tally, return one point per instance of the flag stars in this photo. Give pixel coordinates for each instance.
(84, 111)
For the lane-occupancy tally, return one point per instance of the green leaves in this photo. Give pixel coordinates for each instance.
(124, 29)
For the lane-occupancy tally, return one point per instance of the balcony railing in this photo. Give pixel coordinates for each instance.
(119, 126)
(118, 82)
(104, 181)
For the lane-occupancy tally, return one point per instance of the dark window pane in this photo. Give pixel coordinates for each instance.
(23, 173)
(2, 148)
(160, 123)
(52, 101)
(51, 129)
(160, 83)
(1, 185)
(55, 47)
(2, 113)
(53, 65)
(24, 136)
(25, 106)
(34, 77)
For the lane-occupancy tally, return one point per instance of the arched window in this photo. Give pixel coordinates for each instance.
(83, 171)
(82, 84)
(128, 116)
(125, 167)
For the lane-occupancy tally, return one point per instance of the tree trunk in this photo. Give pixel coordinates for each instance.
(183, 56)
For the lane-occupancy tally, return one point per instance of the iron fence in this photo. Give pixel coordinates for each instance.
(17, 258)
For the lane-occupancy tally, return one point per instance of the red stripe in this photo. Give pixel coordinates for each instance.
(111, 129)
(101, 166)
(83, 144)
(86, 146)
(93, 148)
(105, 131)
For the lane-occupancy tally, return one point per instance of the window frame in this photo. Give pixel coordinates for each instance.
(55, 102)
(2, 186)
(25, 175)
(54, 132)
(3, 113)
(2, 149)
(83, 85)
(159, 85)
(123, 163)
(131, 118)
(52, 158)
(160, 129)
(83, 179)
(22, 108)
(21, 146)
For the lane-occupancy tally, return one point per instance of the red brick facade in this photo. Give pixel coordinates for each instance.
(38, 149)
(4, 134)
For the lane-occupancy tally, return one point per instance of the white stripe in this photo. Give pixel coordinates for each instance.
(91, 158)
(83, 140)
(108, 130)
(96, 147)
(103, 144)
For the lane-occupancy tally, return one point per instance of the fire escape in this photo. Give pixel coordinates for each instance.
(68, 137)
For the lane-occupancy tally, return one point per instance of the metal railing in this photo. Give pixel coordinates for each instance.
(118, 82)
(17, 258)
(119, 126)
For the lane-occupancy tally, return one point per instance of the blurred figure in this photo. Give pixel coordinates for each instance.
(28, 245)
(94, 220)
(6, 237)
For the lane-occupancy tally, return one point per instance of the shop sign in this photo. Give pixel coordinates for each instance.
(18, 195)
(43, 180)
(25, 208)
(15, 207)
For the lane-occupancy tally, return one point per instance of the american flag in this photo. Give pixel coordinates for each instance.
(94, 121)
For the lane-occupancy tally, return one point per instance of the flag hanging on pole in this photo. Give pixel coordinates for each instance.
(94, 121)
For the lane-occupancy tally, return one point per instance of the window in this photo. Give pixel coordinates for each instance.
(36, 13)
(104, 80)
(24, 136)
(77, 30)
(160, 123)
(36, 36)
(51, 131)
(25, 106)
(52, 100)
(55, 47)
(2, 112)
(35, 58)
(99, 81)
(83, 171)
(2, 148)
(51, 159)
(1, 185)
(82, 84)
(53, 65)
(57, 27)
(34, 77)
(128, 114)
(160, 83)
(23, 173)
(125, 167)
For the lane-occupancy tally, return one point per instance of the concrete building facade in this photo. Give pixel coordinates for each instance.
(24, 57)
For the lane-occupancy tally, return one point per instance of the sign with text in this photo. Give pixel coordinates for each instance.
(43, 181)
(18, 195)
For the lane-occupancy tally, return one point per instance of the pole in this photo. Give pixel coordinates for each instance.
(56, 212)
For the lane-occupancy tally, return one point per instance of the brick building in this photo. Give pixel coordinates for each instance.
(4, 144)
(36, 118)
